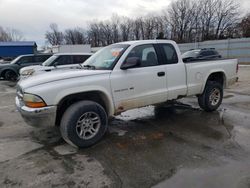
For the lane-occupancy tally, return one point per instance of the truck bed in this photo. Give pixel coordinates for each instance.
(197, 73)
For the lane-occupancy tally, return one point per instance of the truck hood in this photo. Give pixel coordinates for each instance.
(57, 76)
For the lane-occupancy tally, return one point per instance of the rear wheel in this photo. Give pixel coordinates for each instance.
(84, 124)
(212, 96)
(10, 75)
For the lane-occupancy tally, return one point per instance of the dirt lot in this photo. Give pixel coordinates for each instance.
(171, 147)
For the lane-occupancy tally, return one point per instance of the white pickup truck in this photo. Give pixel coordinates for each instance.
(117, 78)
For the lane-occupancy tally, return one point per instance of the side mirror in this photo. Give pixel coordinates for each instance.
(131, 62)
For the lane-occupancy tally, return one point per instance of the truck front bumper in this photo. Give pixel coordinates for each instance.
(37, 117)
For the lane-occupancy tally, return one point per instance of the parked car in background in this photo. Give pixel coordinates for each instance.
(57, 61)
(10, 71)
(117, 78)
(200, 54)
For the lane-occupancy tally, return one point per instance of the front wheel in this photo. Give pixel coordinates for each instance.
(10, 75)
(84, 124)
(212, 97)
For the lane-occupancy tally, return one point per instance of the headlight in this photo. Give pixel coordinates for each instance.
(33, 101)
(28, 72)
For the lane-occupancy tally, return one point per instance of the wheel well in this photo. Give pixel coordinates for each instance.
(67, 101)
(4, 71)
(217, 77)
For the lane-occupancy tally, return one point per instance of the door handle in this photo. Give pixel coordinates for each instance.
(160, 74)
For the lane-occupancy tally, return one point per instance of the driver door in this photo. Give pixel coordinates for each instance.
(142, 85)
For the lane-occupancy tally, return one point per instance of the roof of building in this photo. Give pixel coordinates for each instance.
(21, 43)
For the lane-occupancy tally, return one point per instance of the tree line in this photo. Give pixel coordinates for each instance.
(7, 35)
(182, 21)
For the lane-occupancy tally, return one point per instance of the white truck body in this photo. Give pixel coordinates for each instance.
(121, 90)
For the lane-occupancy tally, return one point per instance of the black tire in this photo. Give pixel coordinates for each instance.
(10, 75)
(201, 101)
(72, 117)
(206, 101)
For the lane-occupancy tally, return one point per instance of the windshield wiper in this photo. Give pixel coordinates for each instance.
(89, 67)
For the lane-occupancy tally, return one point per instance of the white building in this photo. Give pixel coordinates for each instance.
(81, 48)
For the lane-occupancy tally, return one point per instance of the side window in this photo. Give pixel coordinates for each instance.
(40, 59)
(146, 53)
(63, 60)
(170, 54)
(205, 53)
(26, 60)
(212, 53)
(80, 58)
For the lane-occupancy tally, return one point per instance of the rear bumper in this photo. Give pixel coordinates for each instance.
(37, 117)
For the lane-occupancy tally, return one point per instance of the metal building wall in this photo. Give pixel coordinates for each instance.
(230, 48)
(14, 51)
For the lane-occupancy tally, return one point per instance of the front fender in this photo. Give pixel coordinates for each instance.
(71, 91)
(2, 71)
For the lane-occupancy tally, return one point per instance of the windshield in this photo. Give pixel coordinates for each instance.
(106, 57)
(193, 53)
(14, 61)
(50, 61)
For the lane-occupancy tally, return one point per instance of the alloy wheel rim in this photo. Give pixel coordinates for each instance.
(88, 125)
(214, 97)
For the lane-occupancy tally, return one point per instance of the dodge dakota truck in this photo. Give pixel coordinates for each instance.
(117, 78)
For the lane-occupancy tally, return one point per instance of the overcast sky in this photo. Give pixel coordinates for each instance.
(33, 17)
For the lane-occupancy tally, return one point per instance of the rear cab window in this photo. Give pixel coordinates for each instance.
(169, 54)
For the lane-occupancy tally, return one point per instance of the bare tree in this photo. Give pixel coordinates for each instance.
(54, 36)
(115, 28)
(226, 16)
(245, 26)
(182, 21)
(94, 34)
(4, 37)
(125, 27)
(8, 34)
(179, 17)
(106, 33)
(137, 29)
(75, 36)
